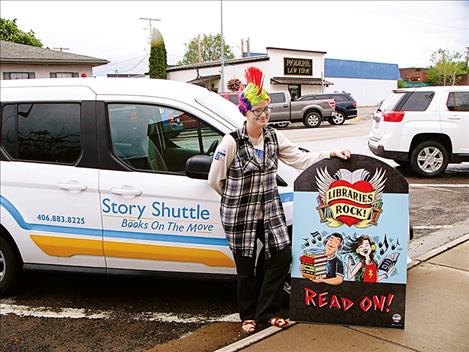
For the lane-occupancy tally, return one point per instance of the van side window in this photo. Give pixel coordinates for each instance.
(158, 138)
(42, 132)
(458, 101)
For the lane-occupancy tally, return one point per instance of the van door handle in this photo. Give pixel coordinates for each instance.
(72, 186)
(285, 105)
(126, 191)
(454, 118)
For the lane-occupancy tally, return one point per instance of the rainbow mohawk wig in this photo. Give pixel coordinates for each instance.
(253, 93)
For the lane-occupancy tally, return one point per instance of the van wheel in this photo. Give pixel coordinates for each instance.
(429, 159)
(338, 119)
(312, 119)
(9, 266)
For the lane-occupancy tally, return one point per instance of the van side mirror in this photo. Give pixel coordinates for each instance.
(198, 166)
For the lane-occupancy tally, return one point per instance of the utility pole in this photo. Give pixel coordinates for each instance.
(149, 25)
(222, 51)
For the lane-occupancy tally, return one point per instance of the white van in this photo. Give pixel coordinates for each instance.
(109, 175)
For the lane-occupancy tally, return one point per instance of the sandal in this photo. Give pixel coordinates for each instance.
(278, 322)
(248, 326)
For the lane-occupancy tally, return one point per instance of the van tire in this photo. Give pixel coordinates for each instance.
(9, 266)
(312, 119)
(437, 155)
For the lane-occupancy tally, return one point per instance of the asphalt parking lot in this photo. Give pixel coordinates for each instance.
(71, 312)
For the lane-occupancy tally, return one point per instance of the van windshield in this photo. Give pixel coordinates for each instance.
(221, 107)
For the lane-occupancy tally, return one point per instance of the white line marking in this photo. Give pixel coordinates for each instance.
(432, 227)
(79, 313)
(45, 312)
(449, 185)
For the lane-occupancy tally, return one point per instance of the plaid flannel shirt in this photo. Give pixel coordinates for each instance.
(250, 185)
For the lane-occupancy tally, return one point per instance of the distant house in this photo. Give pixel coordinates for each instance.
(19, 61)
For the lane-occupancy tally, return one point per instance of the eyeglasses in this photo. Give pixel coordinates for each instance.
(258, 112)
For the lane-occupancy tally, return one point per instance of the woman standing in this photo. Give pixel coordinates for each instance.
(244, 172)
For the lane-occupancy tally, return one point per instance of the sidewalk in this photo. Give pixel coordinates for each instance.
(437, 316)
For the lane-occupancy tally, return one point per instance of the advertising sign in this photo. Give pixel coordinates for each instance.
(350, 234)
(301, 67)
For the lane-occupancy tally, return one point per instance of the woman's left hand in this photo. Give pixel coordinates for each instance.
(342, 154)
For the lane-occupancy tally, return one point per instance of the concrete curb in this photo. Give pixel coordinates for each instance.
(238, 345)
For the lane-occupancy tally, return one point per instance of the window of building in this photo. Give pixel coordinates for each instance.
(42, 132)
(63, 74)
(158, 138)
(19, 75)
(458, 101)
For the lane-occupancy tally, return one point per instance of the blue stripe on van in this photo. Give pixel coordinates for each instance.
(284, 197)
(107, 233)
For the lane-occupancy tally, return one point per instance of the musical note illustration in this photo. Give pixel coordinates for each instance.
(315, 235)
(384, 246)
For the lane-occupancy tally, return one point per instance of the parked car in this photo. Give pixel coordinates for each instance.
(310, 112)
(345, 106)
(425, 128)
(92, 181)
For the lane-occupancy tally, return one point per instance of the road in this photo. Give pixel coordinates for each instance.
(71, 312)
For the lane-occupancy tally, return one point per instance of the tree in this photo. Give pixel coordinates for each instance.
(10, 32)
(446, 68)
(158, 58)
(205, 48)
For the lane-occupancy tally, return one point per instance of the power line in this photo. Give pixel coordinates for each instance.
(413, 20)
(130, 69)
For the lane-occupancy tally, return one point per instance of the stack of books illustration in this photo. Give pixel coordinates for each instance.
(313, 264)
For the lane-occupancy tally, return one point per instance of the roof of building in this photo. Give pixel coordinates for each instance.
(203, 79)
(27, 54)
(306, 51)
(218, 63)
(360, 69)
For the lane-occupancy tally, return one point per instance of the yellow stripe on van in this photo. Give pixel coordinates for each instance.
(68, 247)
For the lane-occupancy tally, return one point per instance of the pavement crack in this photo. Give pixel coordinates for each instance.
(447, 266)
(383, 339)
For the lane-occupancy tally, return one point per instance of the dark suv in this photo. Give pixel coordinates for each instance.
(346, 106)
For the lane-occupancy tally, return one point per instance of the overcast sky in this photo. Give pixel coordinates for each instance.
(401, 32)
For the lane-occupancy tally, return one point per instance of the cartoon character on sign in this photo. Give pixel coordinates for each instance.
(366, 270)
(350, 198)
(333, 272)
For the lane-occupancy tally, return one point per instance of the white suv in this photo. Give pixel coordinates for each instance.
(425, 128)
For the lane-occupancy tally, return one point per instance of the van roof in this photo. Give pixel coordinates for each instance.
(128, 86)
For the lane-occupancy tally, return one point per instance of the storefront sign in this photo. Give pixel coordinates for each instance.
(350, 234)
(301, 67)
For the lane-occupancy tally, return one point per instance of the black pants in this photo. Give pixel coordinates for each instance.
(260, 288)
